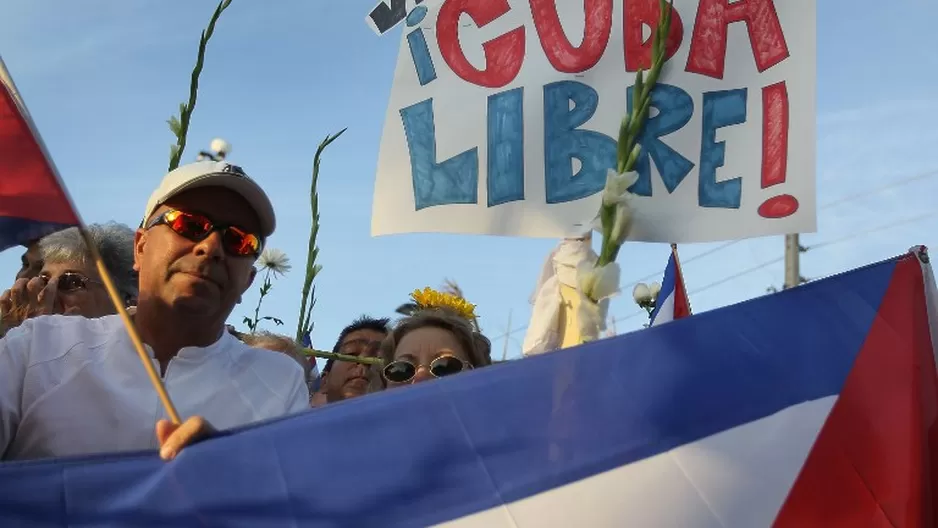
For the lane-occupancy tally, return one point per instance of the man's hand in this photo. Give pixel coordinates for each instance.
(28, 298)
(173, 437)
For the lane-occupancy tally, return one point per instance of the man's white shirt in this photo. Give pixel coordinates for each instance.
(71, 385)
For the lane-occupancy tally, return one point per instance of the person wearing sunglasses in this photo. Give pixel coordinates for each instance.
(74, 385)
(67, 281)
(432, 344)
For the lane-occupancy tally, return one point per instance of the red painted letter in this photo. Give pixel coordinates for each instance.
(775, 114)
(641, 13)
(708, 45)
(774, 134)
(503, 55)
(560, 52)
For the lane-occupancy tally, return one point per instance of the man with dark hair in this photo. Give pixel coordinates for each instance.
(343, 380)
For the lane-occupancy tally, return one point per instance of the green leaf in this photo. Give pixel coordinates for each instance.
(181, 127)
(633, 157)
(621, 148)
(637, 93)
(277, 321)
(308, 298)
(630, 128)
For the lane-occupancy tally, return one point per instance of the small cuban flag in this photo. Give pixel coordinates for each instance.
(33, 201)
(672, 302)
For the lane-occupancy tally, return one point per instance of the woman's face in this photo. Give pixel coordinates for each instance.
(79, 290)
(422, 346)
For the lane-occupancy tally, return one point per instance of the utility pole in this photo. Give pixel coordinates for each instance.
(792, 261)
(507, 337)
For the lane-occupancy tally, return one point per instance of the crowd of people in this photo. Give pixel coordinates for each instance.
(71, 384)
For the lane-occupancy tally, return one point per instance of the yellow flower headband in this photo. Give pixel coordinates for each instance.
(428, 298)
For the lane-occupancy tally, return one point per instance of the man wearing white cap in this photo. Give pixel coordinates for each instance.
(70, 385)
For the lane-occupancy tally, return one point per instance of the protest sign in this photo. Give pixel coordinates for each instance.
(504, 114)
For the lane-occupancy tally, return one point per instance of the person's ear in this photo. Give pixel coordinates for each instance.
(140, 242)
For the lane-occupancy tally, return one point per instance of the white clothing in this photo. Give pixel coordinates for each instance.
(544, 333)
(71, 385)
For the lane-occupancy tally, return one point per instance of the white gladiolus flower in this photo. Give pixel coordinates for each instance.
(598, 283)
(621, 223)
(642, 293)
(617, 186)
(616, 194)
(275, 260)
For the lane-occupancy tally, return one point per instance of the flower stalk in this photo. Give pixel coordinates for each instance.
(180, 125)
(272, 261)
(614, 215)
(370, 361)
(598, 281)
(304, 324)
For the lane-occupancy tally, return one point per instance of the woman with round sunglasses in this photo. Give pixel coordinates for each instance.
(432, 343)
(68, 282)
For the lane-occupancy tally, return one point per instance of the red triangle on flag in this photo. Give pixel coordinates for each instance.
(30, 189)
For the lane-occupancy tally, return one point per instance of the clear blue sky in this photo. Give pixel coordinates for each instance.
(101, 77)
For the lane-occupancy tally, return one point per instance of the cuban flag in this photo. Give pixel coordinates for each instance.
(33, 201)
(816, 407)
(672, 302)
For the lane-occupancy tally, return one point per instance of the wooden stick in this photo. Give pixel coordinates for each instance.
(95, 255)
(145, 358)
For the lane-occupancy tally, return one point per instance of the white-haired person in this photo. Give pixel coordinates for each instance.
(68, 278)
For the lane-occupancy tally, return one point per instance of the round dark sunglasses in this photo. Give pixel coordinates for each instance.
(196, 227)
(403, 371)
(70, 281)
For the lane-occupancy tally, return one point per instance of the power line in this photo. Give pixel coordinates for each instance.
(779, 259)
(763, 264)
(877, 190)
(849, 198)
(872, 230)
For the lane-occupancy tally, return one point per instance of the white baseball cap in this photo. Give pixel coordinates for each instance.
(215, 174)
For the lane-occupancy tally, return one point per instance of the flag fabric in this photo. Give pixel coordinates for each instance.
(672, 302)
(813, 407)
(314, 378)
(33, 201)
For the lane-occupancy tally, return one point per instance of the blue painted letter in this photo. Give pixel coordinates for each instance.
(419, 51)
(563, 142)
(506, 147)
(675, 108)
(454, 181)
(720, 109)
